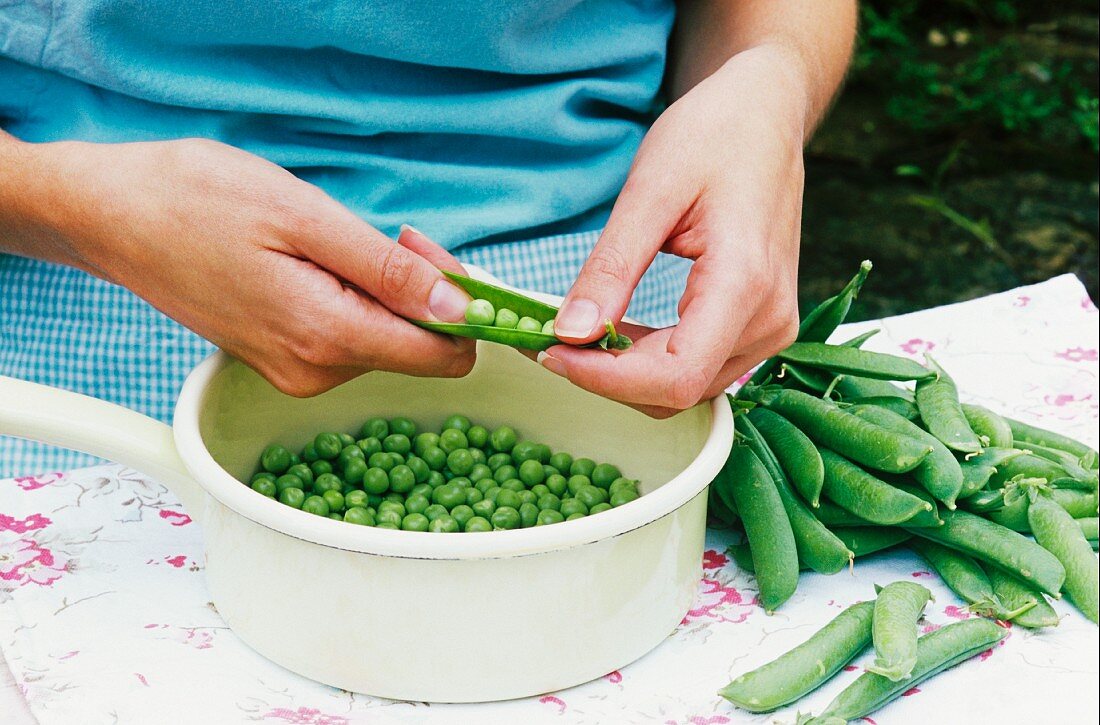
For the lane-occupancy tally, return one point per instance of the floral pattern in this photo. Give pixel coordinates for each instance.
(105, 617)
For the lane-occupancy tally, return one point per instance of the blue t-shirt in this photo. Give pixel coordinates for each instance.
(474, 120)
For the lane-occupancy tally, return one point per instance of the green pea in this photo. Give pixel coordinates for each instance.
(497, 460)
(548, 470)
(484, 508)
(420, 489)
(503, 439)
(263, 475)
(575, 516)
(449, 495)
(394, 498)
(557, 484)
(621, 497)
(561, 461)
(513, 484)
(529, 324)
(479, 472)
(369, 446)
(397, 443)
(319, 467)
(478, 455)
(506, 318)
(505, 473)
(293, 497)
(485, 484)
(457, 422)
(275, 459)
(577, 482)
(524, 451)
(460, 462)
(419, 467)
(393, 505)
(462, 514)
(316, 505)
(528, 515)
(376, 481)
(381, 460)
(346, 439)
(598, 508)
(572, 506)
(286, 481)
(548, 327)
(403, 426)
(505, 517)
(375, 428)
(356, 498)
(436, 479)
(478, 436)
(359, 515)
(473, 495)
(591, 495)
(549, 501)
(603, 474)
(480, 312)
(477, 524)
(527, 496)
(434, 511)
(309, 453)
(328, 445)
(540, 490)
(415, 522)
(303, 472)
(582, 467)
(451, 439)
(549, 516)
(388, 516)
(531, 473)
(396, 458)
(417, 504)
(355, 471)
(444, 525)
(435, 457)
(335, 501)
(623, 483)
(265, 486)
(402, 479)
(336, 517)
(507, 498)
(388, 525)
(327, 482)
(424, 441)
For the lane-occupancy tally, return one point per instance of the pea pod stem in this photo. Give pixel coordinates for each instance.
(807, 666)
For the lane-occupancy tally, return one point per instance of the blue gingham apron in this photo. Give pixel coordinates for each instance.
(62, 327)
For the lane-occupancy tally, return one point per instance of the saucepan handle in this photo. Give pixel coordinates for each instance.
(71, 420)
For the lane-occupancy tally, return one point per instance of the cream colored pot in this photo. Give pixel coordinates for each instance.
(567, 603)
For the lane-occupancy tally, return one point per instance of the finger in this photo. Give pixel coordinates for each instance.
(400, 279)
(643, 217)
(419, 242)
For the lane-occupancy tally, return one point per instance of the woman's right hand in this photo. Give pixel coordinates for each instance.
(262, 264)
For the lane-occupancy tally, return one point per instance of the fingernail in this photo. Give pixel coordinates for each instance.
(577, 319)
(409, 229)
(551, 363)
(447, 303)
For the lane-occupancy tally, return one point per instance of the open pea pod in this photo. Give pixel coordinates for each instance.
(522, 306)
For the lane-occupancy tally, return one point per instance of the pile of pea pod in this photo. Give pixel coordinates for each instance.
(834, 460)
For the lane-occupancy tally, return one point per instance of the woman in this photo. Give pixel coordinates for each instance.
(233, 172)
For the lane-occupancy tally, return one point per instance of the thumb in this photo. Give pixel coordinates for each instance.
(635, 232)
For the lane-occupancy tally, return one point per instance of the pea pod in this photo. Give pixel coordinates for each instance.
(1031, 434)
(857, 491)
(988, 541)
(854, 386)
(1088, 527)
(1058, 533)
(898, 608)
(895, 404)
(795, 452)
(866, 540)
(1028, 465)
(939, 473)
(936, 652)
(1067, 461)
(924, 518)
(832, 515)
(1013, 515)
(851, 436)
(823, 319)
(717, 508)
(523, 306)
(766, 526)
(978, 470)
(816, 546)
(965, 577)
(938, 402)
(853, 361)
(985, 422)
(807, 666)
(817, 381)
(1035, 610)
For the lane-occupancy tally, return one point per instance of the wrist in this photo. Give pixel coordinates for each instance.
(773, 79)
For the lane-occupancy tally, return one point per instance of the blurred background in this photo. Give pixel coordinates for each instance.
(961, 157)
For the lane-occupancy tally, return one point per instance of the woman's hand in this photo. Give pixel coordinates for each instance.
(262, 264)
(718, 179)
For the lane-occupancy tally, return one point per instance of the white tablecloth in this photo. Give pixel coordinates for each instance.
(105, 617)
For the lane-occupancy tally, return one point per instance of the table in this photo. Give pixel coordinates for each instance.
(105, 617)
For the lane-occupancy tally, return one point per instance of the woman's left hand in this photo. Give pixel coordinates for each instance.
(718, 179)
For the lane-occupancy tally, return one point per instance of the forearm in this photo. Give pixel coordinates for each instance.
(28, 212)
(809, 42)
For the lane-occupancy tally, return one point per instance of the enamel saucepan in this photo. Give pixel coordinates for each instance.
(569, 602)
